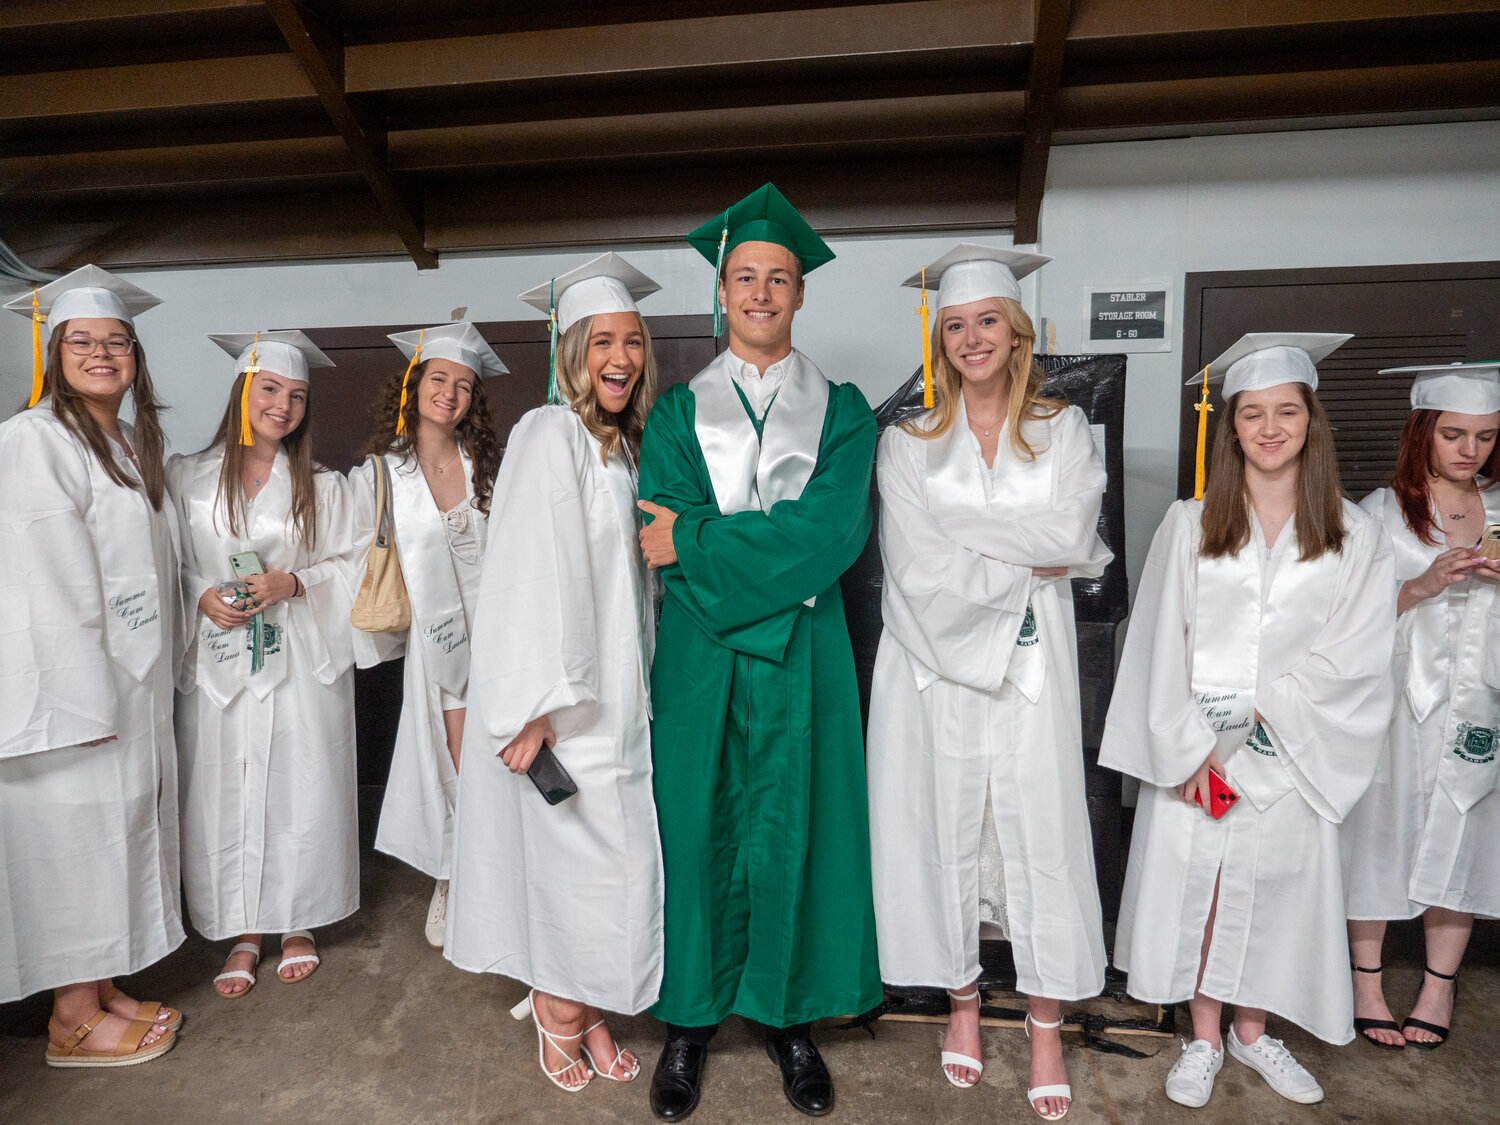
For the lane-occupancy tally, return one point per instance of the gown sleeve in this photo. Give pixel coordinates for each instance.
(1154, 730)
(534, 640)
(1330, 712)
(56, 684)
(180, 470)
(331, 579)
(1067, 533)
(743, 577)
(955, 610)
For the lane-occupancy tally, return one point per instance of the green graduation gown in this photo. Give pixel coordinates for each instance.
(757, 751)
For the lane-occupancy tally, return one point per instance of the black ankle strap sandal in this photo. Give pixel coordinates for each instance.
(1423, 1025)
(1363, 1026)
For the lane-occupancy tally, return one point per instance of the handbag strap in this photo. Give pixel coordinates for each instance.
(384, 522)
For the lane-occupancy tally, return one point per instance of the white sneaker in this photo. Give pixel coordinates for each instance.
(437, 914)
(1191, 1079)
(1282, 1073)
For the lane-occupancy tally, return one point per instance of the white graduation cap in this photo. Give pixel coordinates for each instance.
(1463, 388)
(1258, 360)
(459, 342)
(607, 284)
(87, 291)
(288, 353)
(972, 272)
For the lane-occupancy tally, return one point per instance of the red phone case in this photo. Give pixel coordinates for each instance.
(1221, 797)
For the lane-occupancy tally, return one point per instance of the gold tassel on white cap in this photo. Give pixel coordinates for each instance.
(36, 351)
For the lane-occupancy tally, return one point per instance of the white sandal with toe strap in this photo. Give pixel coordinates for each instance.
(240, 974)
(527, 1008)
(954, 1058)
(607, 1071)
(301, 959)
(1058, 1090)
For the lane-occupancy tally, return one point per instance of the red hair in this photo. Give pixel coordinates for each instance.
(1413, 470)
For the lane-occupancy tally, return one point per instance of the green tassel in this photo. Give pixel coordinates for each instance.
(719, 272)
(552, 397)
(257, 645)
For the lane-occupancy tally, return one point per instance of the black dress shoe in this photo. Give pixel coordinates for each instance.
(804, 1077)
(677, 1081)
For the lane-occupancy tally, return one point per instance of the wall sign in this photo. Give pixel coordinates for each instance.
(1129, 317)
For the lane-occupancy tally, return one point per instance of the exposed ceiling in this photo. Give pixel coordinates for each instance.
(136, 132)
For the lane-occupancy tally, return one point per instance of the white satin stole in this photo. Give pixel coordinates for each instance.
(79, 585)
(315, 625)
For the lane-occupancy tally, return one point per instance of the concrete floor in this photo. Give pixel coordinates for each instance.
(387, 1031)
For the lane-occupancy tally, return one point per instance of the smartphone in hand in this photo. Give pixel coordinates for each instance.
(1221, 797)
(553, 782)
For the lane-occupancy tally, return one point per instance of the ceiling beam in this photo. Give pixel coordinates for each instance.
(322, 60)
(1106, 18)
(1051, 37)
(31, 14)
(874, 32)
(187, 84)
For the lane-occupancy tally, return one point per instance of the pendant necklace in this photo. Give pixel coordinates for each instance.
(1468, 508)
(436, 467)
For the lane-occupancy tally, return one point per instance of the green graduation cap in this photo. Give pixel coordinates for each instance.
(762, 216)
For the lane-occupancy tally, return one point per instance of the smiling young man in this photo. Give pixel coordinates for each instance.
(755, 477)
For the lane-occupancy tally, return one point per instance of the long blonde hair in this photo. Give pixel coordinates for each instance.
(578, 389)
(1026, 379)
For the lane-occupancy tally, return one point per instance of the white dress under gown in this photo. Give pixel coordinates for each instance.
(441, 555)
(1427, 832)
(977, 808)
(269, 829)
(566, 898)
(89, 637)
(1211, 643)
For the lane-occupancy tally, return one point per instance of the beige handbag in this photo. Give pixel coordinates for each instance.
(382, 605)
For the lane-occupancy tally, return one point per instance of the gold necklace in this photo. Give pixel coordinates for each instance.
(435, 466)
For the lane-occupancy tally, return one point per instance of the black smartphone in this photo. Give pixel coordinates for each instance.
(553, 782)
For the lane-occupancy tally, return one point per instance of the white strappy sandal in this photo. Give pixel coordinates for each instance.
(543, 1037)
(1058, 1090)
(953, 1058)
(248, 976)
(607, 1071)
(301, 959)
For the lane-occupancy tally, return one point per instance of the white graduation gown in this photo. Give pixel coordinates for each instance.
(975, 693)
(1427, 832)
(440, 557)
(269, 831)
(566, 898)
(1314, 640)
(89, 620)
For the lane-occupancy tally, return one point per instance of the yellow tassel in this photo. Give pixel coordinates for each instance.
(401, 410)
(36, 351)
(1200, 477)
(246, 437)
(926, 346)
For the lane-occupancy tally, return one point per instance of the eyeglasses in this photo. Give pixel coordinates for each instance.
(85, 345)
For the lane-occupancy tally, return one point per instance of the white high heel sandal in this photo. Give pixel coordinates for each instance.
(953, 1058)
(543, 1037)
(1058, 1090)
(607, 1071)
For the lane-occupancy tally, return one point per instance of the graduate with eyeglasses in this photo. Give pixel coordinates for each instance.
(89, 639)
(755, 478)
(265, 718)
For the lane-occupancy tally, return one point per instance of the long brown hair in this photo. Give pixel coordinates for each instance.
(230, 501)
(475, 433)
(576, 386)
(1026, 380)
(1411, 479)
(68, 406)
(1320, 497)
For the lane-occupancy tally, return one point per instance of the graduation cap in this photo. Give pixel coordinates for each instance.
(285, 353)
(1463, 388)
(969, 272)
(1255, 361)
(459, 342)
(606, 284)
(762, 216)
(87, 291)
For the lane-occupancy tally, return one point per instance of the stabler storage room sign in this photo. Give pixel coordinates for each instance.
(1129, 317)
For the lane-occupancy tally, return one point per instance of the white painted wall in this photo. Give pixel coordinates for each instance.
(1115, 211)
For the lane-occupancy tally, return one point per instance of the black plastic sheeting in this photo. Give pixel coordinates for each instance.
(1095, 384)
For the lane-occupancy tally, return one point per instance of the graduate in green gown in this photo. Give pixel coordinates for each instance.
(755, 481)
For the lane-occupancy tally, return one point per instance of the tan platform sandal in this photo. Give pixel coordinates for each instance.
(169, 1018)
(129, 1052)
